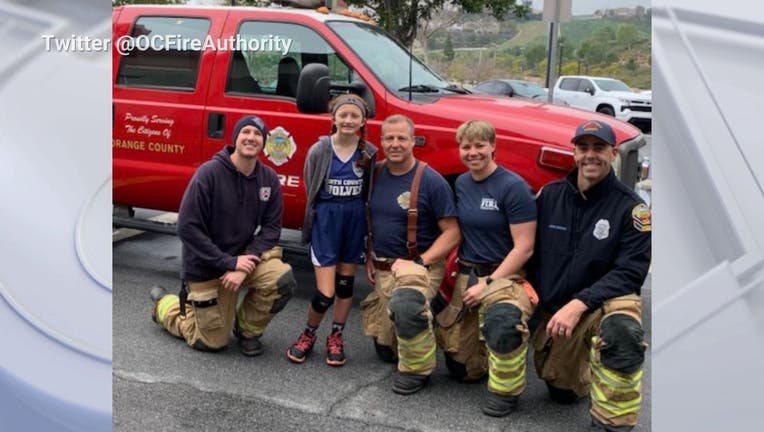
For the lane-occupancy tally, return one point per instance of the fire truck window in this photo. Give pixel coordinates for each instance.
(273, 54)
(160, 57)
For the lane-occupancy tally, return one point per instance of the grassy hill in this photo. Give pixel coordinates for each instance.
(575, 31)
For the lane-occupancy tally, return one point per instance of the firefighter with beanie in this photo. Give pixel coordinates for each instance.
(229, 223)
(484, 328)
(591, 258)
(337, 174)
(413, 226)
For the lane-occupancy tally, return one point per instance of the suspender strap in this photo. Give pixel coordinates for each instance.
(412, 212)
(370, 236)
(411, 215)
(183, 297)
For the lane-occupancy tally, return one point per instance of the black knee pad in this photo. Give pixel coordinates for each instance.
(500, 328)
(562, 396)
(385, 353)
(455, 369)
(623, 349)
(343, 286)
(285, 286)
(320, 302)
(406, 307)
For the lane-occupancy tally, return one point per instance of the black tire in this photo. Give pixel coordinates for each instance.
(607, 110)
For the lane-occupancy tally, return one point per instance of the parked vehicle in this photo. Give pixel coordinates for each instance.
(512, 88)
(607, 96)
(174, 106)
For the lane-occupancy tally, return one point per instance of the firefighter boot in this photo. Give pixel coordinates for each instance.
(249, 346)
(408, 383)
(497, 405)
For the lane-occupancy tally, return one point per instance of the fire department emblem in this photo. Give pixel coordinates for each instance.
(602, 229)
(265, 193)
(404, 199)
(280, 146)
(641, 218)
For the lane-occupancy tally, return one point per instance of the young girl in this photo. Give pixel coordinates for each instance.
(337, 176)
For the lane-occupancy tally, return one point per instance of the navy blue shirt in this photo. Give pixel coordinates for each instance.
(389, 204)
(486, 208)
(344, 179)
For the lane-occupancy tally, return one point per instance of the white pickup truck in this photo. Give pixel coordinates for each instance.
(607, 96)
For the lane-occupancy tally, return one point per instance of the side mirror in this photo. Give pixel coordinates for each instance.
(313, 89)
(589, 90)
(510, 92)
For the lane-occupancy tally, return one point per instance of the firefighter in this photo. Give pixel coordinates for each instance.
(412, 228)
(485, 326)
(229, 223)
(591, 258)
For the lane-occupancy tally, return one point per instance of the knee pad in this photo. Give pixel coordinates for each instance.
(500, 328)
(406, 307)
(455, 369)
(285, 286)
(623, 349)
(343, 286)
(320, 302)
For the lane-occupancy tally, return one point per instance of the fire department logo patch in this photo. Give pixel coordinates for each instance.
(280, 146)
(602, 229)
(404, 199)
(265, 193)
(641, 218)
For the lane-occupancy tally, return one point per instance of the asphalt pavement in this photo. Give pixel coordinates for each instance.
(160, 384)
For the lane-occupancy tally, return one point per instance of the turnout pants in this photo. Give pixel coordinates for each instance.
(397, 314)
(497, 345)
(603, 358)
(211, 309)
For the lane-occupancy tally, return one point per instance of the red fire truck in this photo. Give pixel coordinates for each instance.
(182, 76)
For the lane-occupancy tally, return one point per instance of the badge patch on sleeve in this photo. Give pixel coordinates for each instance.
(641, 217)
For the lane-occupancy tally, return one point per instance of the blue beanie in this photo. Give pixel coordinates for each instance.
(250, 120)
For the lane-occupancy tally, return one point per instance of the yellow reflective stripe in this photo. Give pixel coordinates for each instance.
(515, 367)
(508, 385)
(164, 305)
(417, 363)
(417, 353)
(614, 380)
(508, 365)
(241, 318)
(614, 407)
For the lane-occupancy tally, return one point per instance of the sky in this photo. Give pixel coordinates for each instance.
(585, 7)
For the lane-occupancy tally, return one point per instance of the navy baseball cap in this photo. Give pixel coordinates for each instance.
(597, 129)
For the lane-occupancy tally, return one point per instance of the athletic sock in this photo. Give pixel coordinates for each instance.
(337, 327)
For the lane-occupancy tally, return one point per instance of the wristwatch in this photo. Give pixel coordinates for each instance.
(488, 280)
(420, 261)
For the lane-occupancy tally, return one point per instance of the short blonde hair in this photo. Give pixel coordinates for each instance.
(476, 130)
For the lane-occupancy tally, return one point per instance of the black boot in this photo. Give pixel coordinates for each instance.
(497, 405)
(407, 383)
(599, 426)
(249, 346)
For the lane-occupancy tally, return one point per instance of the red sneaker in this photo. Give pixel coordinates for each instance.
(300, 350)
(335, 353)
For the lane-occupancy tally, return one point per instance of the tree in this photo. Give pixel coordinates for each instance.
(443, 19)
(534, 55)
(631, 65)
(400, 17)
(627, 34)
(448, 49)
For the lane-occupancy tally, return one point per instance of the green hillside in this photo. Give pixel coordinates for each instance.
(575, 31)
